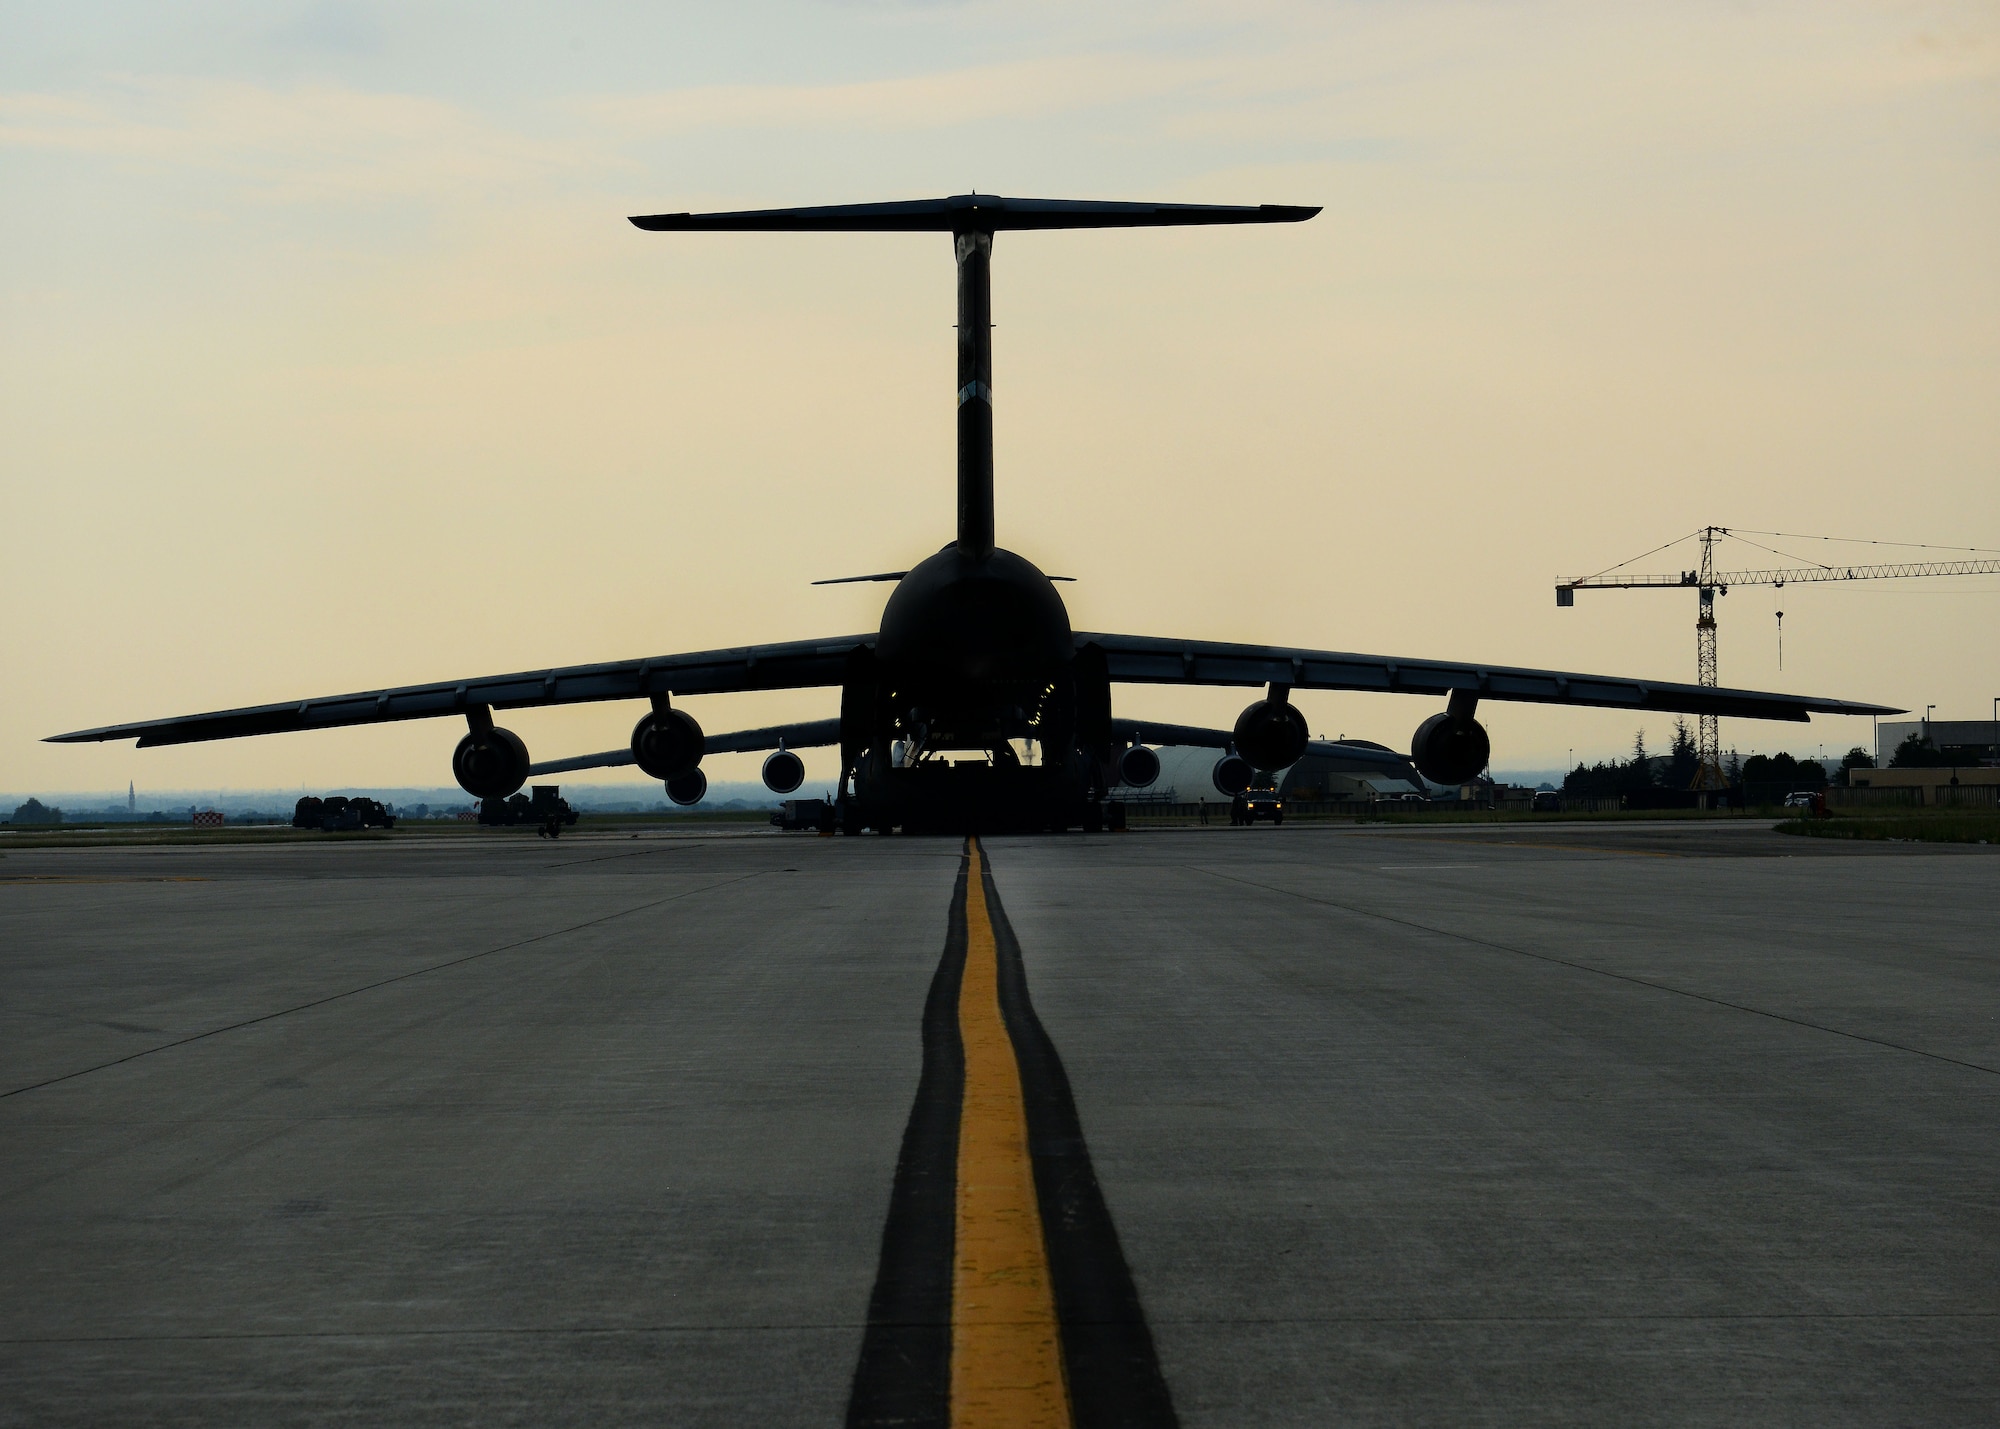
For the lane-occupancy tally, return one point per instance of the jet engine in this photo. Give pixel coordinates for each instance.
(687, 788)
(1232, 775)
(490, 763)
(1271, 734)
(1138, 767)
(784, 772)
(1450, 748)
(667, 743)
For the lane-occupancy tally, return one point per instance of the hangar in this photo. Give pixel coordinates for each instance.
(1346, 769)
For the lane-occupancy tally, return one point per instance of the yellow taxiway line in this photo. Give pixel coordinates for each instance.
(1006, 1348)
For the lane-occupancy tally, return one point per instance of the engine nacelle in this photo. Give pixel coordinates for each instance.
(688, 788)
(1271, 734)
(667, 744)
(490, 763)
(1232, 775)
(1450, 749)
(1138, 767)
(784, 772)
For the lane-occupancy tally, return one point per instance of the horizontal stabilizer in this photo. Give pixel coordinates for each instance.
(878, 576)
(895, 576)
(971, 213)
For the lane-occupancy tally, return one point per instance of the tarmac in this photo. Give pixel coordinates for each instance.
(1672, 1123)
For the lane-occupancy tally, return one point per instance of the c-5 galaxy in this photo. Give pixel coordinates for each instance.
(975, 650)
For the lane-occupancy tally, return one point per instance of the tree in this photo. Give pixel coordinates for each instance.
(1855, 758)
(36, 812)
(1614, 777)
(1917, 752)
(1732, 769)
(1763, 769)
(1597, 781)
(1639, 773)
(1767, 775)
(1684, 760)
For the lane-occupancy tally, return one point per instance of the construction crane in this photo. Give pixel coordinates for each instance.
(1708, 582)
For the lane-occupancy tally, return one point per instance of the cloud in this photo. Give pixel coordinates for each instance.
(1025, 89)
(313, 143)
(332, 27)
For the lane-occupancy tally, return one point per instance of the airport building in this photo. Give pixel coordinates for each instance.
(1969, 741)
(1961, 786)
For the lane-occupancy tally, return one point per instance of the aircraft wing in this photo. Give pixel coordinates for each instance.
(797, 664)
(813, 734)
(1152, 660)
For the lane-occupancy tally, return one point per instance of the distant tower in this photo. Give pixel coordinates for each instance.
(131, 797)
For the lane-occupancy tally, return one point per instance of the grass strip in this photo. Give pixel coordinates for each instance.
(1945, 826)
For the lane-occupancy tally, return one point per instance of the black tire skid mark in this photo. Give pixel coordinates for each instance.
(903, 1377)
(1112, 1367)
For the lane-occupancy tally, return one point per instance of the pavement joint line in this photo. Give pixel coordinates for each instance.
(65, 878)
(370, 987)
(843, 1326)
(1523, 843)
(1604, 972)
(656, 846)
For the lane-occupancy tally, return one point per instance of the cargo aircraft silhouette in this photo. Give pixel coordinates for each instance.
(975, 649)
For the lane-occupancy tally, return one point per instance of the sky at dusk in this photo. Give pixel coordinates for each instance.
(329, 362)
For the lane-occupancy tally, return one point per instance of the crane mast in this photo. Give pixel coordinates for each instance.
(1708, 583)
(1708, 736)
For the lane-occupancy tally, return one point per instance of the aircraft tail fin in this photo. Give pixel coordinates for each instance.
(972, 220)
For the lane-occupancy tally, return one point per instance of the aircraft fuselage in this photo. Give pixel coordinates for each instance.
(975, 652)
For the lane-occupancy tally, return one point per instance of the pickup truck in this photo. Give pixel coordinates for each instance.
(1254, 804)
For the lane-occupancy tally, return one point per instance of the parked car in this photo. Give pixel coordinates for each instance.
(1802, 801)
